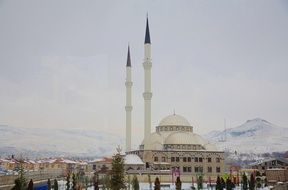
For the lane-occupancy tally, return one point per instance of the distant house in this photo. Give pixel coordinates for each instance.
(102, 165)
(262, 166)
(275, 169)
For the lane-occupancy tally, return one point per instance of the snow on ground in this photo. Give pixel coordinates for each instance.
(145, 186)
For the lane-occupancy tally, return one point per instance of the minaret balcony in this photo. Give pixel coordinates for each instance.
(128, 84)
(147, 95)
(147, 64)
(128, 108)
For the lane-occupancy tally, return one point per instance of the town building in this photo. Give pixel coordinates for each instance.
(275, 169)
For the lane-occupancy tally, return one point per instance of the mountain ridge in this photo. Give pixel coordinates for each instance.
(254, 136)
(36, 142)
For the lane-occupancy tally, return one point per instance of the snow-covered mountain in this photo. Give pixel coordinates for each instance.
(56, 142)
(255, 136)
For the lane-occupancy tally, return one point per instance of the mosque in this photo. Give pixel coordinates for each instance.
(173, 147)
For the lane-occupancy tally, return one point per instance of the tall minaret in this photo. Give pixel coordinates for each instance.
(147, 95)
(128, 107)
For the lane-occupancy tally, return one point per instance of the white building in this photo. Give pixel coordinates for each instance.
(173, 145)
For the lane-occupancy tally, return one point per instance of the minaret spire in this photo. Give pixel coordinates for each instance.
(147, 94)
(147, 34)
(128, 57)
(128, 107)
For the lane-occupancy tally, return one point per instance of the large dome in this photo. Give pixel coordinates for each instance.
(184, 138)
(174, 120)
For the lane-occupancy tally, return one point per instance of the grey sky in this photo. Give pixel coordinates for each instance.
(62, 63)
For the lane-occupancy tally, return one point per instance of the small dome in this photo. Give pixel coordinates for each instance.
(174, 120)
(183, 138)
(154, 142)
(133, 159)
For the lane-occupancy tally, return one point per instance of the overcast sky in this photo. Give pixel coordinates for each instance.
(62, 63)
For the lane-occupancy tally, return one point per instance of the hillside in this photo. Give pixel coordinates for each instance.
(56, 142)
(255, 136)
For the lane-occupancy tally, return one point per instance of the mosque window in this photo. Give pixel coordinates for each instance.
(189, 169)
(177, 159)
(209, 169)
(200, 159)
(196, 159)
(209, 159)
(155, 159)
(172, 159)
(184, 169)
(189, 159)
(218, 170)
(184, 159)
(200, 169)
(217, 159)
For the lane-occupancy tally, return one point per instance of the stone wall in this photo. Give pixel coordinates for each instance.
(7, 181)
(276, 175)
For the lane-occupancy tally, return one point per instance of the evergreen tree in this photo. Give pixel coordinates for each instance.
(135, 183)
(265, 182)
(55, 184)
(74, 181)
(49, 184)
(96, 185)
(178, 183)
(117, 173)
(86, 182)
(258, 180)
(157, 184)
(229, 184)
(20, 182)
(252, 182)
(95, 181)
(30, 185)
(68, 182)
(200, 182)
(245, 182)
(218, 184)
(223, 184)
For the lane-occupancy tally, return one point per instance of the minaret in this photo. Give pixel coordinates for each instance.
(128, 107)
(147, 95)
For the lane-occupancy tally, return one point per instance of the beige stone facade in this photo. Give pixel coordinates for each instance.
(191, 163)
(175, 147)
(276, 175)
